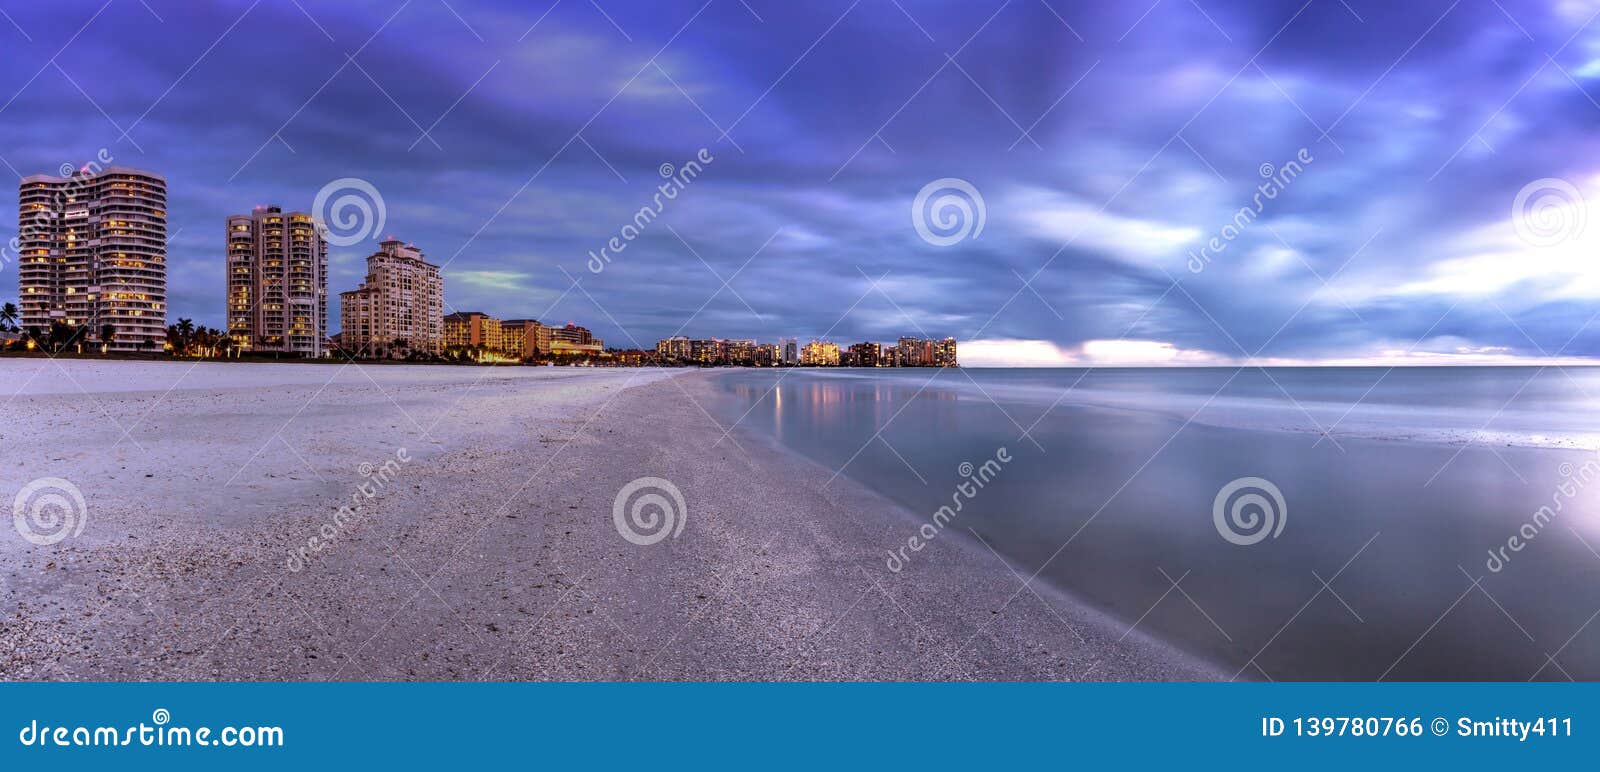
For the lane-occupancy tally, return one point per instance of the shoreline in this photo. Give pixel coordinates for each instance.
(492, 554)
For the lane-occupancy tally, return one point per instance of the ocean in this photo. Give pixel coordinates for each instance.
(1285, 523)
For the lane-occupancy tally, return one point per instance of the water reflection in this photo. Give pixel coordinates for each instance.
(1374, 574)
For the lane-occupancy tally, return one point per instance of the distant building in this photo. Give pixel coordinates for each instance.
(706, 352)
(526, 337)
(944, 353)
(578, 336)
(399, 309)
(673, 349)
(277, 267)
(574, 340)
(767, 355)
(866, 355)
(472, 329)
(739, 352)
(820, 353)
(914, 352)
(791, 351)
(511, 338)
(92, 254)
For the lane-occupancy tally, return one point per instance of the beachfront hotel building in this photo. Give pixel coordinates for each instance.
(473, 329)
(277, 283)
(573, 340)
(526, 337)
(92, 254)
(398, 310)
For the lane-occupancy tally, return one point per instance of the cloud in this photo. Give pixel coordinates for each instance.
(1092, 353)
(1146, 139)
(1060, 218)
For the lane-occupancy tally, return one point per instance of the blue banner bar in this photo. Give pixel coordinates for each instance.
(975, 726)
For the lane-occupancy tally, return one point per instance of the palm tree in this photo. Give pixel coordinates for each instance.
(62, 335)
(108, 333)
(8, 317)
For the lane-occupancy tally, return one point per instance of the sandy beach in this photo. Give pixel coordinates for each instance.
(484, 547)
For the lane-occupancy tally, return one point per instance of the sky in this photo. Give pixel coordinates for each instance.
(1163, 182)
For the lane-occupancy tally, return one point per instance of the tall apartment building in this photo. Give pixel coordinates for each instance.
(915, 352)
(93, 255)
(865, 355)
(277, 282)
(820, 353)
(791, 351)
(398, 310)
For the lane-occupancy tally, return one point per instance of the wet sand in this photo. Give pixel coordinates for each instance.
(487, 548)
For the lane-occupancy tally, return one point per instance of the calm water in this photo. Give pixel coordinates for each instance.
(1112, 489)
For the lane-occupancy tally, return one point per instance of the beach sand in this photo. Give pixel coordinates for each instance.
(487, 548)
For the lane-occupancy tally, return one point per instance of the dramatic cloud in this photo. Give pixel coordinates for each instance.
(1333, 180)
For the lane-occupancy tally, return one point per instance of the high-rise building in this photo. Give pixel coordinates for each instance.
(277, 282)
(913, 352)
(398, 310)
(93, 255)
(944, 353)
(866, 355)
(820, 353)
(791, 351)
(768, 355)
